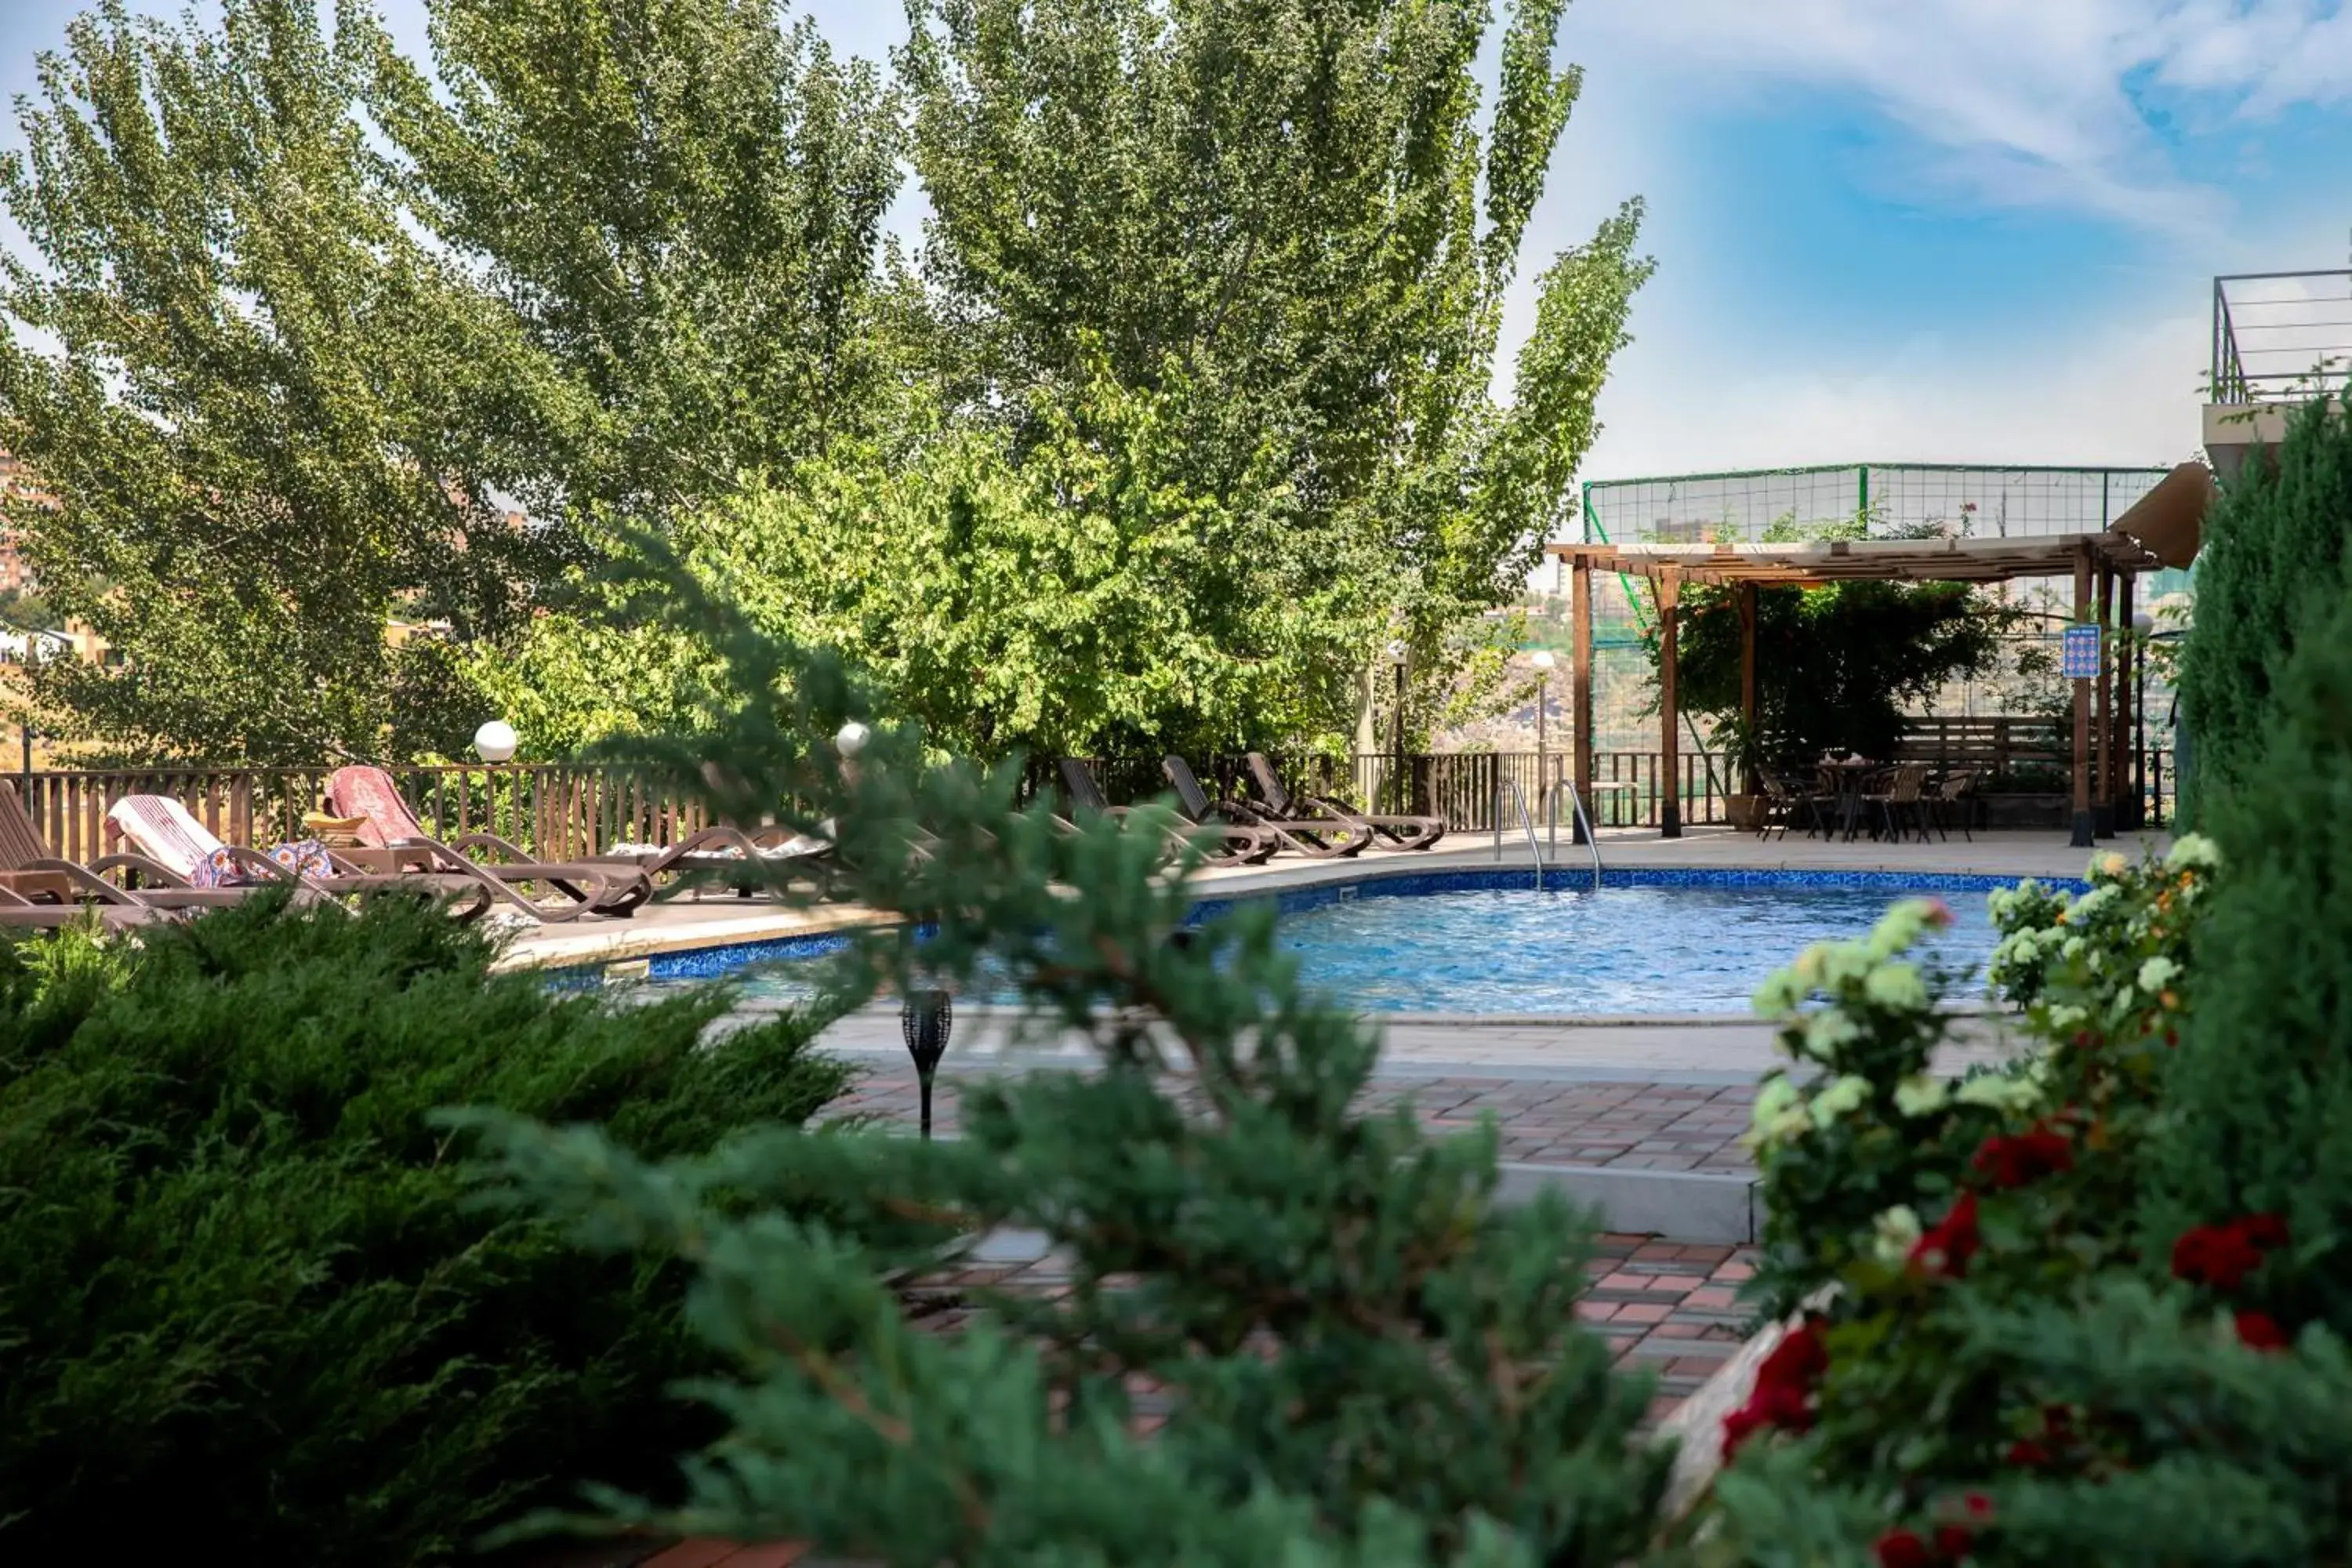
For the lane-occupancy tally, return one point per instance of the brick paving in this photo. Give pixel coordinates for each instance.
(1639, 1126)
(1666, 1307)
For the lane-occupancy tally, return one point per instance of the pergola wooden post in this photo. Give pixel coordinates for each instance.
(1670, 716)
(2109, 791)
(2131, 786)
(1749, 783)
(1579, 687)
(2085, 824)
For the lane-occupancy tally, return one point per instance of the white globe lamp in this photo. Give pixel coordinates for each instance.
(851, 740)
(495, 742)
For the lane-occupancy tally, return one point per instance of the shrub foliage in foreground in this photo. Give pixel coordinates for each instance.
(1368, 1358)
(245, 1302)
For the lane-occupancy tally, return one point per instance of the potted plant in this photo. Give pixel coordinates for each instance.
(1743, 747)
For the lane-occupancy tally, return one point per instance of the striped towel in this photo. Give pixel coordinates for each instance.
(162, 830)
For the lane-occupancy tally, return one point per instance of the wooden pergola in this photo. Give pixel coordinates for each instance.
(2163, 529)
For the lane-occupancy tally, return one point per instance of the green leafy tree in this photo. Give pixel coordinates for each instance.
(272, 416)
(1291, 210)
(2274, 560)
(1071, 598)
(1368, 1356)
(681, 200)
(248, 1300)
(298, 339)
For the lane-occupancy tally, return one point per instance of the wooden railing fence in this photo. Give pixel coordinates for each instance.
(560, 811)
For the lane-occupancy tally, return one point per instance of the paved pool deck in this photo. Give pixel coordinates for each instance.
(1637, 1119)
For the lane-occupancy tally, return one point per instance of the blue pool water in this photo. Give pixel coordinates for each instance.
(1619, 951)
(1488, 943)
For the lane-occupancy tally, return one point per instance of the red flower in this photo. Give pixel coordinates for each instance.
(1978, 1507)
(1947, 1247)
(2264, 1230)
(2222, 1256)
(1902, 1548)
(2028, 1156)
(1797, 1360)
(1940, 913)
(2217, 1255)
(2262, 1331)
(1954, 1541)
(2027, 1453)
(1781, 1405)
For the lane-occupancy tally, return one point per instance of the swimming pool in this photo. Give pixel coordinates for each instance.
(1488, 942)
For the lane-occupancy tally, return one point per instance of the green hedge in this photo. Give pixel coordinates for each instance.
(2273, 562)
(245, 1302)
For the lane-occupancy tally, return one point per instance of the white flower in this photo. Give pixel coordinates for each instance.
(1895, 1232)
(2157, 974)
(1841, 1098)
(1897, 985)
(1918, 1094)
(1827, 1029)
(1780, 1113)
(2193, 852)
(2066, 1016)
(1999, 1093)
(1779, 994)
(2074, 948)
(1900, 927)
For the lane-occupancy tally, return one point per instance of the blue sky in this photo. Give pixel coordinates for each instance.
(1945, 230)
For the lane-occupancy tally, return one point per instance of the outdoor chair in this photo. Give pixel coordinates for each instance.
(43, 890)
(1323, 840)
(1219, 845)
(1405, 832)
(1785, 804)
(1901, 796)
(173, 852)
(395, 840)
(1955, 799)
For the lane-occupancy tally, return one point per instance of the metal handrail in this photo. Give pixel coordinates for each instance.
(2282, 369)
(1576, 814)
(1527, 824)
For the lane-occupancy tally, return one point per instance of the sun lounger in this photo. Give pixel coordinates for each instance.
(171, 851)
(1323, 840)
(34, 882)
(1405, 832)
(394, 838)
(1218, 844)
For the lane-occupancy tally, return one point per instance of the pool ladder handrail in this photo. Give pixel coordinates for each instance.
(1577, 815)
(1527, 824)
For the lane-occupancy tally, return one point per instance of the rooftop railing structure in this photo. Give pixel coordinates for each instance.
(2276, 336)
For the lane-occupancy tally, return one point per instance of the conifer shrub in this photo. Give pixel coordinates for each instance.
(2272, 567)
(245, 1302)
(2264, 1072)
(1367, 1357)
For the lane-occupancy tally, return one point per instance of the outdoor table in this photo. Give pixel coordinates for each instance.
(1848, 774)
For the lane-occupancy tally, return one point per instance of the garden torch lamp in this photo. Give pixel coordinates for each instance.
(494, 743)
(925, 1020)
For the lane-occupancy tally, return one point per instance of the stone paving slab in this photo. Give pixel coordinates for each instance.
(1629, 1125)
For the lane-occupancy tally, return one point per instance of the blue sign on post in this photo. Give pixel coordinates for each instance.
(2079, 657)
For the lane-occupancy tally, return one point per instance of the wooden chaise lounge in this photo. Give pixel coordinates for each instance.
(1402, 830)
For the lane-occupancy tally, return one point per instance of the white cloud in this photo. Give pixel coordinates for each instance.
(2020, 102)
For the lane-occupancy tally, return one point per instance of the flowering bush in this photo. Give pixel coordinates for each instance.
(1932, 1230)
